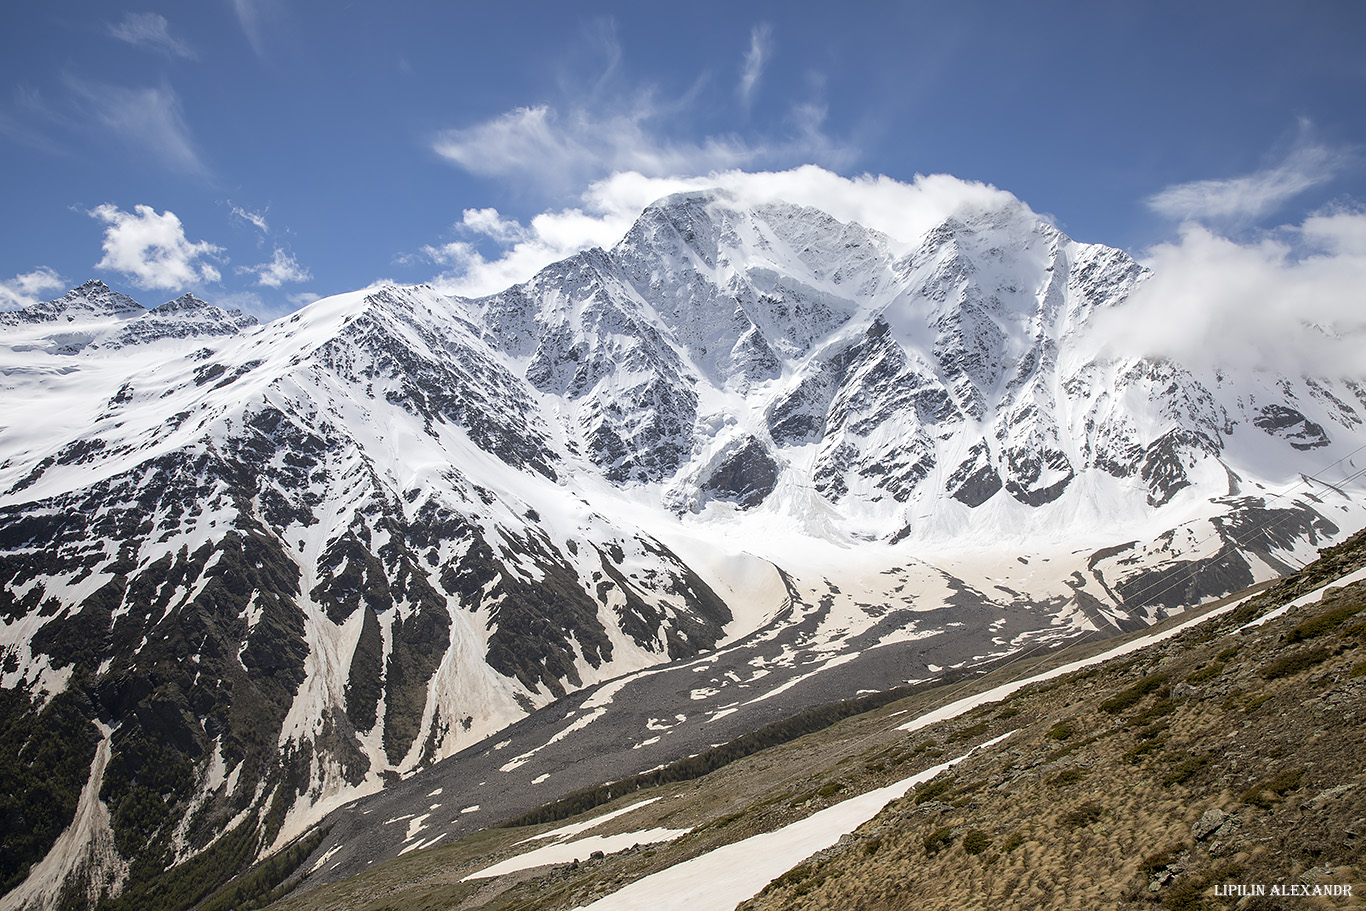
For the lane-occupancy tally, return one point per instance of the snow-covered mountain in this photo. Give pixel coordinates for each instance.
(753, 457)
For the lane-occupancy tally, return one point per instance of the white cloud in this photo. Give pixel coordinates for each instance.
(152, 249)
(303, 298)
(459, 253)
(1251, 196)
(282, 268)
(760, 50)
(258, 219)
(151, 30)
(1289, 302)
(149, 119)
(491, 224)
(24, 290)
(905, 211)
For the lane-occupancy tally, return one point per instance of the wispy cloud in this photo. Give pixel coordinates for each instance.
(21, 130)
(148, 119)
(38, 119)
(256, 219)
(249, 17)
(565, 151)
(28, 288)
(283, 268)
(904, 211)
(1252, 196)
(611, 124)
(151, 31)
(252, 302)
(760, 50)
(152, 249)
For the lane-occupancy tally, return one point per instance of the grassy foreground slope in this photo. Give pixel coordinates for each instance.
(1215, 758)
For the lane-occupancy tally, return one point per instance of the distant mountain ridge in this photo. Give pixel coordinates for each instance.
(266, 569)
(94, 298)
(94, 314)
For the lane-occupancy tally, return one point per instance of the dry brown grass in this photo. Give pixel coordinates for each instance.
(1283, 753)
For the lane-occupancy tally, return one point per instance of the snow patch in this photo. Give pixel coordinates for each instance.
(575, 828)
(721, 879)
(1302, 600)
(565, 852)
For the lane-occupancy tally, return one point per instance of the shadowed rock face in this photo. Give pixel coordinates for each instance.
(744, 477)
(1290, 425)
(975, 480)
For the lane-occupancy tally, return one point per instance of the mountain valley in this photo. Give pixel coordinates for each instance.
(1221, 750)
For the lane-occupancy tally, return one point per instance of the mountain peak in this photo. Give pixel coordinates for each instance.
(92, 299)
(185, 317)
(685, 198)
(186, 301)
(98, 297)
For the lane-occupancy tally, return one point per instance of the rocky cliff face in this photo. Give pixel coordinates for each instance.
(264, 570)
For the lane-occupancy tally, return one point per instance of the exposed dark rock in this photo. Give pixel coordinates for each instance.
(975, 480)
(744, 477)
(1291, 426)
(365, 684)
(800, 415)
(1166, 462)
(420, 641)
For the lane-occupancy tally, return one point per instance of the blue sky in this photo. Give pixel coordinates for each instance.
(264, 153)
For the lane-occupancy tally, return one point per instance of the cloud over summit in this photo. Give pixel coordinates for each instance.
(1289, 301)
(608, 208)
